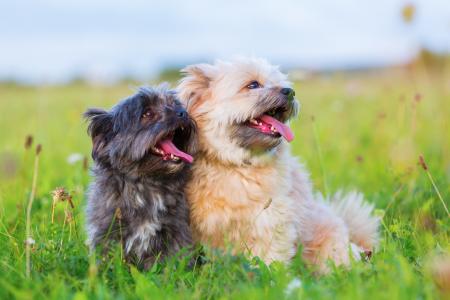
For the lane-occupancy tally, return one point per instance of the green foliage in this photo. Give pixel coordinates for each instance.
(370, 130)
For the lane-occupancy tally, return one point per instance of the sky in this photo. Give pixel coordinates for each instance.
(53, 41)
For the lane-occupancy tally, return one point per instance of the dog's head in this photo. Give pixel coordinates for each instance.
(146, 133)
(241, 108)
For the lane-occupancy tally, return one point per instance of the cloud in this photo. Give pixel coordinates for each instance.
(55, 40)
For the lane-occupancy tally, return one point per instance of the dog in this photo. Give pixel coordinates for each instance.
(142, 151)
(247, 191)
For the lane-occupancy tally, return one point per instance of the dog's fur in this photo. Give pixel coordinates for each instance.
(247, 190)
(137, 197)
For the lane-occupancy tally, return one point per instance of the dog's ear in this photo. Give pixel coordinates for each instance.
(100, 129)
(196, 80)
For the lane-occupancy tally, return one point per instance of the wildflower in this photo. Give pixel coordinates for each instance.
(295, 284)
(418, 97)
(28, 142)
(74, 158)
(422, 163)
(60, 194)
(30, 241)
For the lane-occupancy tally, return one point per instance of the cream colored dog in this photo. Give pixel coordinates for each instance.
(247, 190)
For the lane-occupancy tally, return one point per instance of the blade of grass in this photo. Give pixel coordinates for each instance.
(425, 167)
(28, 240)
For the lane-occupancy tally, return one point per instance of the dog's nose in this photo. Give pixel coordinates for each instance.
(288, 92)
(181, 113)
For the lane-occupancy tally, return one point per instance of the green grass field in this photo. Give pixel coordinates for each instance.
(357, 131)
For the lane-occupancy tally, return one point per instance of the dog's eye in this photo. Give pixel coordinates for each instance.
(147, 114)
(253, 85)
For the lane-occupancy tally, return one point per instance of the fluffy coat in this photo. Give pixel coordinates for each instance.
(247, 191)
(137, 195)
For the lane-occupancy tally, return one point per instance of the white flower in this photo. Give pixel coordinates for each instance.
(74, 158)
(295, 283)
(30, 241)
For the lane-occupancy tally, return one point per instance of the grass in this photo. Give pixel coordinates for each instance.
(358, 131)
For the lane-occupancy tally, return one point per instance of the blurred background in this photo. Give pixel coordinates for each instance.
(372, 76)
(50, 41)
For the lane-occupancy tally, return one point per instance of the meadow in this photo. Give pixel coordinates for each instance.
(363, 131)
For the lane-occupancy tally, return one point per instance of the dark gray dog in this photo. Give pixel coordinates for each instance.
(140, 151)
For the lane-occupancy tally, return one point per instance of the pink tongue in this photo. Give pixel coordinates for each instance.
(168, 147)
(283, 129)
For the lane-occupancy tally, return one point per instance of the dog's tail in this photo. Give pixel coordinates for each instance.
(358, 215)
